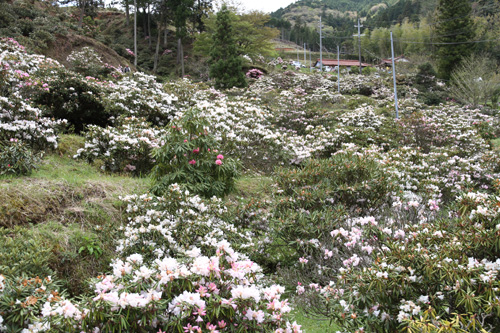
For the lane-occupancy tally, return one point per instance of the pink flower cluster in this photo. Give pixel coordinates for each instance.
(219, 159)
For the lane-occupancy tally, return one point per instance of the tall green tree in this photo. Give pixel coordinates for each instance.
(455, 28)
(182, 11)
(253, 38)
(226, 65)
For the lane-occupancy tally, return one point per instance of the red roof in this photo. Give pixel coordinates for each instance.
(333, 62)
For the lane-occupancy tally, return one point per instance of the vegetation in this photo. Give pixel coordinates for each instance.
(295, 202)
(476, 80)
(226, 65)
(456, 28)
(191, 157)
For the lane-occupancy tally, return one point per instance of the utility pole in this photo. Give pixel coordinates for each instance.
(394, 79)
(338, 68)
(135, 33)
(310, 61)
(320, 45)
(305, 59)
(359, 43)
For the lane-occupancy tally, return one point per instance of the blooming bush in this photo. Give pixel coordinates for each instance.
(88, 63)
(409, 282)
(313, 200)
(140, 95)
(254, 73)
(21, 121)
(190, 158)
(196, 294)
(177, 224)
(17, 159)
(124, 147)
(22, 299)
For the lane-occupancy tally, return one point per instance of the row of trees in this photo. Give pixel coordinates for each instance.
(195, 23)
(447, 30)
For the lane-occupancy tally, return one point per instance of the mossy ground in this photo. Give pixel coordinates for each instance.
(62, 219)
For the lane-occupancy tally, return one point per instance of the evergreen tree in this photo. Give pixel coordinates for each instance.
(226, 65)
(455, 26)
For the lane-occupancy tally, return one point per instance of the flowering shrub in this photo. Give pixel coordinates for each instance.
(22, 299)
(75, 99)
(407, 281)
(190, 158)
(313, 200)
(16, 158)
(88, 63)
(140, 95)
(201, 293)
(124, 147)
(254, 73)
(177, 224)
(21, 121)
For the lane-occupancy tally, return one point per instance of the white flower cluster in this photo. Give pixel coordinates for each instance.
(19, 119)
(165, 224)
(124, 147)
(140, 95)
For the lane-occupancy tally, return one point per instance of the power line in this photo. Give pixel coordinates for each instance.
(454, 43)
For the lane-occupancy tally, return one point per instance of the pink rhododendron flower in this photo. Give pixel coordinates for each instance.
(218, 162)
(192, 162)
(220, 156)
(196, 150)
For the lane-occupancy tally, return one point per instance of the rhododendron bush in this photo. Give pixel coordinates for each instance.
(190, 156)
(375, 223)
(124, 147)
(185, 275)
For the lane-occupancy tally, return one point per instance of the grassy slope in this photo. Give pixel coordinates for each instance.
(56, 220)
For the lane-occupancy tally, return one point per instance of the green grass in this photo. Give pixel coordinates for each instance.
(496, 143)
(64, 205)
(312, 325)
(254, 186)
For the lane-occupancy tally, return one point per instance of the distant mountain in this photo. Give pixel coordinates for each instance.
(338, 7)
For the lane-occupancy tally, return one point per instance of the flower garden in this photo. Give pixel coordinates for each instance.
(372, 223)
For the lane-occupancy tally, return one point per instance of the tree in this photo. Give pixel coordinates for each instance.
(252, 37)
(475, 80)
(87, 8)
(455, 26)
(226, 65)
(182, 10)
(200, 12)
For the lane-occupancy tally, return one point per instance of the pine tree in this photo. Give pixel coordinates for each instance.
(226, 65)
(455, 26)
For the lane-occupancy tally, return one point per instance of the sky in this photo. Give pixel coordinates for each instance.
(267, 6)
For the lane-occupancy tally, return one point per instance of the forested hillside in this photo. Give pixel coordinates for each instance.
(416, 25)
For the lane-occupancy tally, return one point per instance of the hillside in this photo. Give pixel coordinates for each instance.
(53, 31)
(342, 6)
(179, 198)
(302, 201)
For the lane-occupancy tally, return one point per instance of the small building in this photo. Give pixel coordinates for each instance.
(332, 63)
(388, 62)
